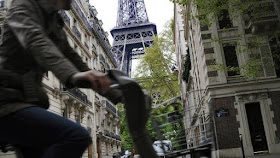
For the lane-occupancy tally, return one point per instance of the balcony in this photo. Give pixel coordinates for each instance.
(119, 114)
(91, 27)
(107, 133)
(77, 32)
(65, 17)
(111, 108)
(82, 16)
(118, 137)
(262, 19)
(112, 135)
(102, 59)
(77, 94)
(103, 42)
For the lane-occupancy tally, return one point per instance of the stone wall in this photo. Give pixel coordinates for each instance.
(226, 127)
(275, 107)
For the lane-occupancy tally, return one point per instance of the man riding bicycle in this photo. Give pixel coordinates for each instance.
(33, 43)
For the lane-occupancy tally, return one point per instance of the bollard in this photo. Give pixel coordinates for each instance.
(242, 147)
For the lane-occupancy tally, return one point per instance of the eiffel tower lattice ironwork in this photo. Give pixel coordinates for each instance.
(132, 34)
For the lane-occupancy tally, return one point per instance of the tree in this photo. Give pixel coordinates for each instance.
(155, 74)
(154, 70)
(127, 142)
(251, 11)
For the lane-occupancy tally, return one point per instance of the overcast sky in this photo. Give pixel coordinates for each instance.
(159, 12)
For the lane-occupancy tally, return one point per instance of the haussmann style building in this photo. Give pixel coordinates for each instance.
(222, 106)
(98, 115)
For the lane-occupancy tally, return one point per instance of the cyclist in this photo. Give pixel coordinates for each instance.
(33, 43)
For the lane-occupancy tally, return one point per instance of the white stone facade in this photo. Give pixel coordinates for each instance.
(92, 111)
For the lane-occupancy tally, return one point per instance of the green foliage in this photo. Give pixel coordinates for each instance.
(154, 70)
(211, 11)
(155, 75)
(127, 142)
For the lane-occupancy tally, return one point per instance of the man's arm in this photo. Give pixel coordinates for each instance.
(25, 23)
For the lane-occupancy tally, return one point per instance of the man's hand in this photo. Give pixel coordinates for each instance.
(98, 81)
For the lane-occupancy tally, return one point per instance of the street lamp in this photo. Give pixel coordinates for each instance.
(242, 147)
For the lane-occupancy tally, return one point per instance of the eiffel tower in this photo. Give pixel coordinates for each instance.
(132, 34)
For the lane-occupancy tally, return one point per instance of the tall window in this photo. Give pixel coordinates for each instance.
(65, 112)
(231, 59)
(224, 19)
(275, 51)
(75, 22)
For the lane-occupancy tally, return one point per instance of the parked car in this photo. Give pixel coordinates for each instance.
(163, 147)
(127, 154)
(118, 154)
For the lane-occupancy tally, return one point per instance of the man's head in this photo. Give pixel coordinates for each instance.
(62, 4)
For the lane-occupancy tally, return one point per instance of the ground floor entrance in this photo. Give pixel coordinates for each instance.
(256, 127)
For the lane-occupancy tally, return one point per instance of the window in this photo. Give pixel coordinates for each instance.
(87, 61)
(94, 62)
(206, 36)
(231, 59)
(224, 19)
(75, 22)
(274, 44)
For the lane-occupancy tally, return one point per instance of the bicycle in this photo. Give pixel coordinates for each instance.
(137, 104)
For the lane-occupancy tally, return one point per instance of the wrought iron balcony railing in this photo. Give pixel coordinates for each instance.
(77, 32)
(91, 27)
(78, 94)
(107, 133)
(65, 17)
(109, 106)
(119, 114)
(118, 137)
(108, 48)
(82, 16)
(102, 58)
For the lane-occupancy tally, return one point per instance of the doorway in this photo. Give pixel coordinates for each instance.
(256, 128)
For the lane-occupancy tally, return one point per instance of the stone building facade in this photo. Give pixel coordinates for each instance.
(95, 113)
(222, 106)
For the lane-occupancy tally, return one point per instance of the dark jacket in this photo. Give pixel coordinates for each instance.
(33, 43)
